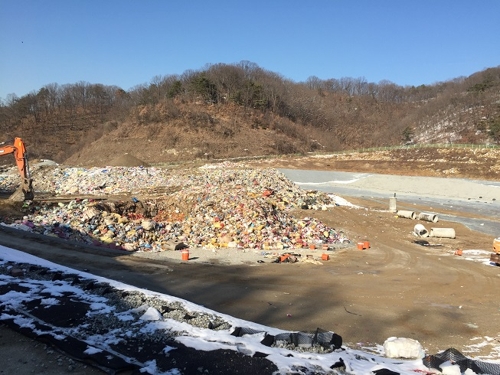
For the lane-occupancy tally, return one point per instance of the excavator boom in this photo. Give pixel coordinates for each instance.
(20, 154)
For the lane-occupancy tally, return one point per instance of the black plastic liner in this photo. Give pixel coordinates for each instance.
(321, 337)
(454, 356)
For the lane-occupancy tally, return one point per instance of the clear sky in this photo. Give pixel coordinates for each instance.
(126, 42)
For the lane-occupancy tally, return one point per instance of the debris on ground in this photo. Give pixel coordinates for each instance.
(402, 347)
(496, 245)
(426, 243)
(495, 259)
(215, 206)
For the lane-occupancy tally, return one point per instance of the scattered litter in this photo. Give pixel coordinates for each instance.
(224, 206)
(350, 312)
(495, 259)
(426, 243)
(362, 245)
(496, 245)
(181, 246)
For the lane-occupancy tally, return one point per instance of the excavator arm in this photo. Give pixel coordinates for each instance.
(20, 154)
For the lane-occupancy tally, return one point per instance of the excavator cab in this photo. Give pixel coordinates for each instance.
(20, 154)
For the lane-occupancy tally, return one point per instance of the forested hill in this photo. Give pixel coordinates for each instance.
(243, 110)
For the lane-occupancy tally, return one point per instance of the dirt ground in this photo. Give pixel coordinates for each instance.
(394, 288)
(483, 164)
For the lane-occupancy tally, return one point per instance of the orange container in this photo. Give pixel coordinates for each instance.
(496, 245)
(325, 257)
(312, 246)
(458, 252)
(185, 254)
(325, 246)
(366, 244)
(361, 245)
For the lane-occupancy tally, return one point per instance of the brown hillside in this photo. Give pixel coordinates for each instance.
(242, 110)
(199, 132)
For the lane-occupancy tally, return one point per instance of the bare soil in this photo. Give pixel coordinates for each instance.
(394, 288)
(483, 164)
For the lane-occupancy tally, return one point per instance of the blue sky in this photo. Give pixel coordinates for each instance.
(126, 43)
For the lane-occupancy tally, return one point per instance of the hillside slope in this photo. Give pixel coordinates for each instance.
(233, 111)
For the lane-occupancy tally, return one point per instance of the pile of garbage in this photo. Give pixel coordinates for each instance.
(222, 205)
(60, 180)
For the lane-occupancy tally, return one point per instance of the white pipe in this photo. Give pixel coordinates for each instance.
(428, 217)
(407, 214)
(420, 231)
(442, 232)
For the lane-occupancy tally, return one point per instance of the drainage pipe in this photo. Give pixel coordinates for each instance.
(420, 231)
(428, 217)
(442, 232)
(407, 214)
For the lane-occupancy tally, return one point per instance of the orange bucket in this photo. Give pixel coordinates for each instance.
(361, 245)
(366, 244)
(458, 252)
(496, 245)
(185, 254)
(325, 257)
(312, 246)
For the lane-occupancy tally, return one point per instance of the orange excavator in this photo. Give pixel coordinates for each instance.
(20, 154)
